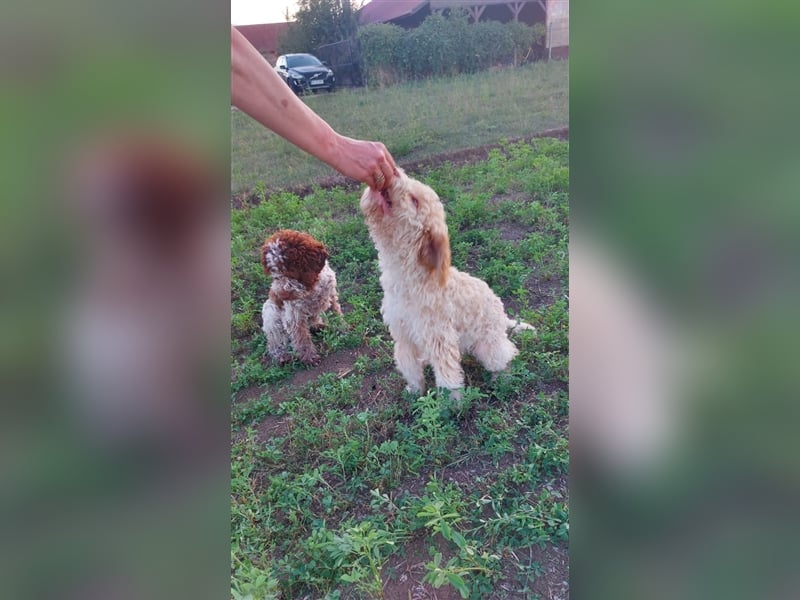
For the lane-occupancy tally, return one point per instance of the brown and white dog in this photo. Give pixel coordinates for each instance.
(303, 287)
(434, 312)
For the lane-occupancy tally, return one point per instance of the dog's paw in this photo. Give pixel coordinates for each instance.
(455, 394)
(310, 358)
(413, 392)
(284, 358)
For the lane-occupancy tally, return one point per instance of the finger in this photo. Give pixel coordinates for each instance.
(379, 177)
(388, 174)
(389, 158)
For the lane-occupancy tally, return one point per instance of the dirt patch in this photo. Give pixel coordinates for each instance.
(376, 394)
(272, 426)
(249, 394)
(403, 573)
(340, 363)
(513, 232)
(471, 155)
(514, 198)
(456, 158)
(553, 583)
(543, 292)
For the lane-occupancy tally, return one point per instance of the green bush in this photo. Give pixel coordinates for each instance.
(379, 44)
(442, 46)
(431, 49)
(524, 39)
(492, 42)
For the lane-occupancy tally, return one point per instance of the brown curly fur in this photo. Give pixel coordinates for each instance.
(303, 256)
(303, 286)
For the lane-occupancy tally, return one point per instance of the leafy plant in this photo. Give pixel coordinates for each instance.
(360, 551)
(252, 583)
(432, 426)
(469, 560)
(457, 571)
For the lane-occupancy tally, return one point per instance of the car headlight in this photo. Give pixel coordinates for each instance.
(296, 76)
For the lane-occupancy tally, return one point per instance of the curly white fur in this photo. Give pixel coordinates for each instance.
(435, 313)
(295, 306)
(290, 323)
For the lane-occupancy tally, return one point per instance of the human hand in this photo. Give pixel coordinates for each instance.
(368, 162)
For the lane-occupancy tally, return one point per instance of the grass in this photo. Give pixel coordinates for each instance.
(414, 120)
(340, 480)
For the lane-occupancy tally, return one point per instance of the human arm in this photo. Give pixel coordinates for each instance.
(259, 91)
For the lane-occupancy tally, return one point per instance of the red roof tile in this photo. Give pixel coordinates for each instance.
(264, 36)
(381, 11)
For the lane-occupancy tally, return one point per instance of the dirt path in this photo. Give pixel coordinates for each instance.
(456, 158)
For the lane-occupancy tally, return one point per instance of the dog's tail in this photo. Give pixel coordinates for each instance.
(517, 326)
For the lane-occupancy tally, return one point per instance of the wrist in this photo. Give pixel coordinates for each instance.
(334, 149)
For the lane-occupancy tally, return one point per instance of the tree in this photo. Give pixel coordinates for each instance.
(319, 22)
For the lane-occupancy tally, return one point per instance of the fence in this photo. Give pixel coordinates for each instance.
(557, 40)
(345, 60)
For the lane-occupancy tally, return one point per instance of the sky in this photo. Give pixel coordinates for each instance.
(249, 12)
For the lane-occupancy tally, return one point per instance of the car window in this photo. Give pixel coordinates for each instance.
(302, 60)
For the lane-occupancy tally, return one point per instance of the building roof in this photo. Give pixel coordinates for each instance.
(382, 11)
(439, 4)
(264, 36)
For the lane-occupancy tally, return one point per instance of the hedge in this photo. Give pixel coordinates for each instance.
(442, 45)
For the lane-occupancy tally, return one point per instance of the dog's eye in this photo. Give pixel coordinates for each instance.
(415, 201)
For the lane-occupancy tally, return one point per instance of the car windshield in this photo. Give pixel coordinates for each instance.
(302, 60)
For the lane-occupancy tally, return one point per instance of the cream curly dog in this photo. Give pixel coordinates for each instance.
(303, 287)
(434, 312)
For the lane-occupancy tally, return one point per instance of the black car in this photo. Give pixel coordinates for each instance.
(305, 72)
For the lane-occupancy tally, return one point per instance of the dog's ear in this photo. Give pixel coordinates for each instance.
(263, 254)
(434, 253)
(311, 262)
(304, 258)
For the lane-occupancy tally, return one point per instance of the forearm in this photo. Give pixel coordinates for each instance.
(260, 92)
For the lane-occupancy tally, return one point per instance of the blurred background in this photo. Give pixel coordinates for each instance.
(115, 303)
(684, 336)
(684, 342)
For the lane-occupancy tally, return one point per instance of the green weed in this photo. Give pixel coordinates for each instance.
(360, 551)
(354, 468)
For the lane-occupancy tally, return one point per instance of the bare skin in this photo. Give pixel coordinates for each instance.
(259, 91)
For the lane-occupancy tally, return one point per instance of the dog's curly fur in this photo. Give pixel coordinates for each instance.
(303, 287)
(434, 311)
